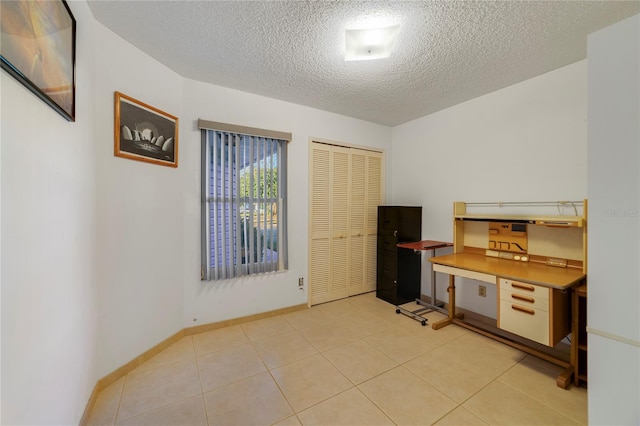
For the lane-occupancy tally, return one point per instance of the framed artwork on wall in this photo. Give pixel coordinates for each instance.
(145, 133)
(39, 50)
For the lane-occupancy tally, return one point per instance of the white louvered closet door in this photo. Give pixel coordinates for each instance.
(346, 189)
(340, 205)
(357, 216)
(374, 198)
(320, 208)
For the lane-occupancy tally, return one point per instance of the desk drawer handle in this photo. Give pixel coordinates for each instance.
(523, 298)
(523, 287)
(521, 309)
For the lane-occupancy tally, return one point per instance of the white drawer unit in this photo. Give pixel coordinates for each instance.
(537, 313)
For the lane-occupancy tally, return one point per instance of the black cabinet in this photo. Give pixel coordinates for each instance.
(398, 274)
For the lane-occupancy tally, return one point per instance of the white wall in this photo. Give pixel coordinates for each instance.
(206, 302)
(140, 211)
(149, 216)
(48, 249)
(614, 224)
(526, 142)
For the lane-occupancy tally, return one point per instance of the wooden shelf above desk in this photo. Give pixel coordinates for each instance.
(468, 211)
(557, 221)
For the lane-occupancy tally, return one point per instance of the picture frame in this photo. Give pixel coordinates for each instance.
(144, 133)
(38, 49)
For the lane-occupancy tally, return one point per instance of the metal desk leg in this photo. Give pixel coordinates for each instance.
(434, 301)
(433, 306)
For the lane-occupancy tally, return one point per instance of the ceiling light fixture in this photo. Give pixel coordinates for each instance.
(374, 43)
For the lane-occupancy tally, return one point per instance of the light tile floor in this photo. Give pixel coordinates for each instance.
(349, 362)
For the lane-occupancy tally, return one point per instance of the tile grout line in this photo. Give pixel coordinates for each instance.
(271, 374)
(117, 412)
(458, 404)
(169, 403)
(372, 401)
(308, 356)
(484, 387)
(204, 405)
(532, 396)
(537, 400)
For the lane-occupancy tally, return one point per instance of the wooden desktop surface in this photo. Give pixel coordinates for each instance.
(425, 245)
(531, 272)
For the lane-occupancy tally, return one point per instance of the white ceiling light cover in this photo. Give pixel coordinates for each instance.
(373, 43)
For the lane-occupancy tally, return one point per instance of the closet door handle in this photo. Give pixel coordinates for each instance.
(522, 309)
(395, 233)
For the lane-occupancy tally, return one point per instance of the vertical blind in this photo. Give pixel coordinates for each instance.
(244, 204)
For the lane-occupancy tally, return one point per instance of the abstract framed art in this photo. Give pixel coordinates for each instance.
(145, 133)
(39, 50)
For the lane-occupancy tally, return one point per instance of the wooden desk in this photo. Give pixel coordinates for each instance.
(491, 270)
(424, 245)
(532, 272)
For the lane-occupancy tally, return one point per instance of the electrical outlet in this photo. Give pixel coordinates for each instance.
(300, 283)
(482, 291)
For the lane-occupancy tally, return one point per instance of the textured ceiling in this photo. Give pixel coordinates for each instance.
(446, 52)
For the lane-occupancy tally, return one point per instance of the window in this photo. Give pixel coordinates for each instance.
(244, 221)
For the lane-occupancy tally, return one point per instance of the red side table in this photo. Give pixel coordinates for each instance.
(426, 307)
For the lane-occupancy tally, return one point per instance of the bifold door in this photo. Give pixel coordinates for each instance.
(346, 186)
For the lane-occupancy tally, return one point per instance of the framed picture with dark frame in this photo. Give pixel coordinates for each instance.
(39, 50)
(145, 133)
